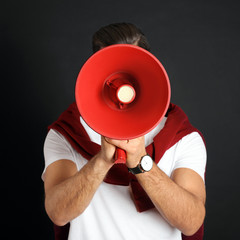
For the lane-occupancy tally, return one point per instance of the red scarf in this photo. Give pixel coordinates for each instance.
(176, 127)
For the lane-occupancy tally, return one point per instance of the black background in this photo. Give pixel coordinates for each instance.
(45, 43)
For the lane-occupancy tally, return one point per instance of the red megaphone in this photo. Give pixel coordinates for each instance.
(122, 92)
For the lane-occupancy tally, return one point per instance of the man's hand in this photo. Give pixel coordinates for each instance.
(107, 151)
(134, 148)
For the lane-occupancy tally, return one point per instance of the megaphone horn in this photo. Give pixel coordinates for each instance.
(122, 92)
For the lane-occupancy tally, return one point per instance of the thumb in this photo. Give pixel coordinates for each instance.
(107, 149)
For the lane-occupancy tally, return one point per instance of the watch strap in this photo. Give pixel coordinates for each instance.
(135, 170)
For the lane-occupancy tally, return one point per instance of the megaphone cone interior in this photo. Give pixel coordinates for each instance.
(119, 90)
(122, 91)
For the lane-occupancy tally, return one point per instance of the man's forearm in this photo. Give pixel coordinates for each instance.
(71, 197)
(179, 207)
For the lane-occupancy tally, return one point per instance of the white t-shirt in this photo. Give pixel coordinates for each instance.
(112, 213)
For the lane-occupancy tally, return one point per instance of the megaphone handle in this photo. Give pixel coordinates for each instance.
(120, 156)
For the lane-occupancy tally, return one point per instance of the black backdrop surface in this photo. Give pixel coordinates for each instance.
(45, 43)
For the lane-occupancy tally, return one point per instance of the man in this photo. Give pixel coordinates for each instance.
(104, 201)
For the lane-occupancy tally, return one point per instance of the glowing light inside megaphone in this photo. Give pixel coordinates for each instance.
(126, 93)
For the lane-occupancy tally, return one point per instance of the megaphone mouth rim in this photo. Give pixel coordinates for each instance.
(123, 135)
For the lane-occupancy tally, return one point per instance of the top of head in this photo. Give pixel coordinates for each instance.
(111, 68)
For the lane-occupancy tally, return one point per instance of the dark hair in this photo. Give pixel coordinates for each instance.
(119, 33)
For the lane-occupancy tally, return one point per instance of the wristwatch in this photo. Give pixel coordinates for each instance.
(145, 165)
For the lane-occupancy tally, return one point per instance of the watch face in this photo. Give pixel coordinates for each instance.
(146, 163)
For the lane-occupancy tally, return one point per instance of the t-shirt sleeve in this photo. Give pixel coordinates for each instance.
(191, 153)
(56, 147)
